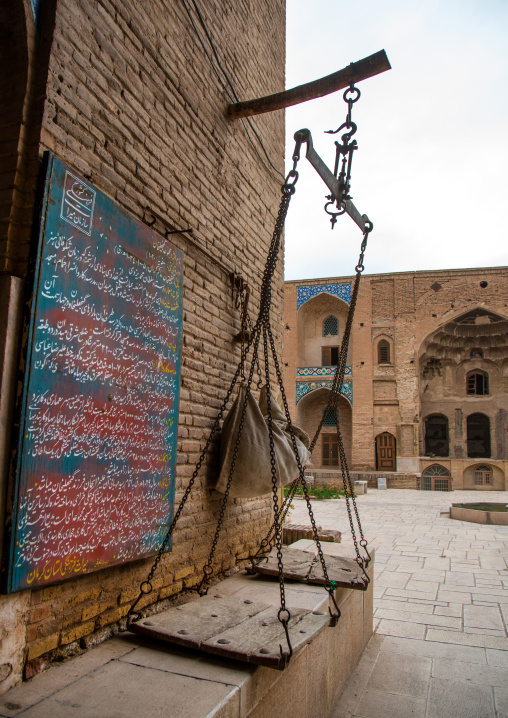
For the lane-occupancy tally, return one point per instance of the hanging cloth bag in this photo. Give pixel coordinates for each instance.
(252, 474)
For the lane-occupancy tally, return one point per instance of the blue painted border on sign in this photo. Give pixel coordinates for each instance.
(105, 329)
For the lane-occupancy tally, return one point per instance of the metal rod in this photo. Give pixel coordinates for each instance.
(329, 178)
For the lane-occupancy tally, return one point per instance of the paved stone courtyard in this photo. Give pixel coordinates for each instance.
(440, 647)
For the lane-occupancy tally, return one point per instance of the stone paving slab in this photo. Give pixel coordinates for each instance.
(483, 617)
(403, 629)
(395, 674)
(440, 649)
(430, 649)
(458, 699)
(388, 705)
(44, 685)
(415, 617)
(440, 599)
(121, 689)
(461, 671)
(501, 701)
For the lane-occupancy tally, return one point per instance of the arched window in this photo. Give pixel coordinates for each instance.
(383, 352)
(477, 383)
(435, 470)
(436, 435)
(482, 475)
(436, 478)
(478, 436)
(476, 353)
(329, 417)
(330, 326)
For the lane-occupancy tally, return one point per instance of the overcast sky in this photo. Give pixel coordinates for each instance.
(432, 163)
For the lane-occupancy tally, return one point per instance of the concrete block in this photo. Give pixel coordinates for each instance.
(394, 580)
(405, 593)
(459, 578)
(426, 587)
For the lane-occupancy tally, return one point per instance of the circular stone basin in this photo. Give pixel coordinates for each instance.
(481, 513)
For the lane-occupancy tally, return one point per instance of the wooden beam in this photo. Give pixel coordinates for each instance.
(355, 72)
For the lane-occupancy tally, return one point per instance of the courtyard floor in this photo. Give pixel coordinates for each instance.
(440, 643)
(439, 648)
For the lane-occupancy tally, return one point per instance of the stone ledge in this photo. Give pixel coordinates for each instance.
(135, 677)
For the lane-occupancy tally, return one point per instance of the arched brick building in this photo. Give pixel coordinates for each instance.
(425, 394)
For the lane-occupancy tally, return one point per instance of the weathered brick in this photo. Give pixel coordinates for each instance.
(43, 645)
(112, 616)
(40, 612)
(121, 105)
(76, 633)
(89, 594)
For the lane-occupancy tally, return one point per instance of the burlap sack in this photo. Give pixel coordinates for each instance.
(252, 474)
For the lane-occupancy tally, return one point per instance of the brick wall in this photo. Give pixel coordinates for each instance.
(132, 104)
(406, 309)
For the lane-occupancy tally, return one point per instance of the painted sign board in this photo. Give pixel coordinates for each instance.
(97, 450)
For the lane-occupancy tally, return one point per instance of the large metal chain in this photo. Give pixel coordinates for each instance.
(333, 406)
(263, 327)
(207, 568)
(335, 392)
(262, 322)
(146, 587)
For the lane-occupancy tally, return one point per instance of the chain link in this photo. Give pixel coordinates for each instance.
(333, 402)
(262, 327)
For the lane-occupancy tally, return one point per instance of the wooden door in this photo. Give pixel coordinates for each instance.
(330, 450)
(385, 452)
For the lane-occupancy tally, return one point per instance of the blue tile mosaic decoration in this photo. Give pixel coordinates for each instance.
(303, 294)
(306, 387)
(320, 371)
